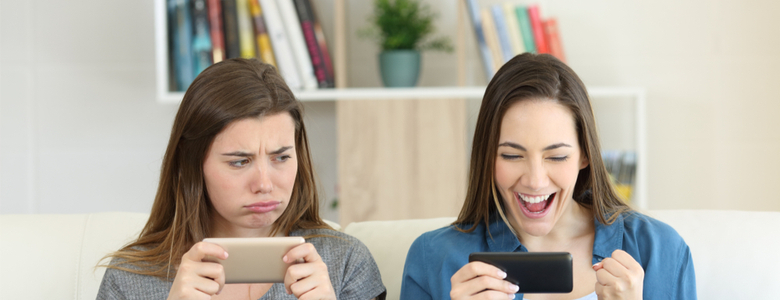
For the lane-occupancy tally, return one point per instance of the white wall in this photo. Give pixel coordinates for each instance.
(80, 130)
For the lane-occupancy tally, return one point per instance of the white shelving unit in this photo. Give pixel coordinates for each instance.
(638, 95)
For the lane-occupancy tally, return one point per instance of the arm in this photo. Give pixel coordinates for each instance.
(686, 283)
(414, 284)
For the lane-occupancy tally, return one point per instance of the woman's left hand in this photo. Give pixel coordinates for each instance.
(308, 279)
(619, 277)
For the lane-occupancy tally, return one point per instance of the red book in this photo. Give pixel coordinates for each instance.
(536, 25)
(215, 23)
(323, 45)
(307, 18)
(553, 38)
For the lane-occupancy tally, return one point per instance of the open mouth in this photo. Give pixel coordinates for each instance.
(536, 204)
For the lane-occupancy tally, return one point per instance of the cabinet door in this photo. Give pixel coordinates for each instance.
(401, 159)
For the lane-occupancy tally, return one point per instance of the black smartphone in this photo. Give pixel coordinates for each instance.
(533, 272)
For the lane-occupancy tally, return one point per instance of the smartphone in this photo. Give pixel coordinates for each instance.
(533, 272)
(254, 260)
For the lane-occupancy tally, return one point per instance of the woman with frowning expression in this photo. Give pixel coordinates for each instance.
(537, 184)
(238, 165)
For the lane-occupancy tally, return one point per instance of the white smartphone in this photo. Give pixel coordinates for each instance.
(255, 260)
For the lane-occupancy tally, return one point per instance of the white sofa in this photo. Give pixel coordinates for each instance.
(735, 253)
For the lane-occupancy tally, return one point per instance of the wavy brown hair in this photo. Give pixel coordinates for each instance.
(223, 93)
(531, 77)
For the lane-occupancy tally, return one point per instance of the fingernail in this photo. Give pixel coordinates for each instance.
(515, 288)
(226, 255)
(501, 274)
(284, 259)
(511, 296)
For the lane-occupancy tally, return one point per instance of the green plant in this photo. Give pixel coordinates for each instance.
(404, 25)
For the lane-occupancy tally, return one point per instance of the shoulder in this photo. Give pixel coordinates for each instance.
(649, 229)
(121, 281)
(334, 246)
(452, 235)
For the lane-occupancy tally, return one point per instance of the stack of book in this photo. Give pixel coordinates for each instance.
(283, 33)
(621, 166)
(506, 30)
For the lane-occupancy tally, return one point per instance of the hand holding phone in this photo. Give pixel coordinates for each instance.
(196, 278)
(532, 272)
(479, 278)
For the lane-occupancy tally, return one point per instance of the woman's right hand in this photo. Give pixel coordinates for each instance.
(478, 280)
(196, 278)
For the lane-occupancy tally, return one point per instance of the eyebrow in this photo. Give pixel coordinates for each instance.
(521, 148)
(246, 154)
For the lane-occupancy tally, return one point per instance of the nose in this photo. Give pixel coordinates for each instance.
(261, 183)
(536, 178)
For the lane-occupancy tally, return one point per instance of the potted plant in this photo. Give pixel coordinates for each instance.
(403, 29)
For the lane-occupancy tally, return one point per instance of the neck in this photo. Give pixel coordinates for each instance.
(222, 228)
(572, 227)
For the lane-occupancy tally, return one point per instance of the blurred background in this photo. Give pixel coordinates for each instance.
(81, 129)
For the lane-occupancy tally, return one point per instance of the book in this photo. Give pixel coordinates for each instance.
(246, 32)
(491, 38)
(513, 27)
(281, 45)
(553, 38)
(319, 34)
(201, 36)
(230, 25)
(536, 25)
(307, 19)
(525, 28)
(484, 51)
(216, 30)
(503, 33)
(300, 52)
(264, 50)
(183, 61)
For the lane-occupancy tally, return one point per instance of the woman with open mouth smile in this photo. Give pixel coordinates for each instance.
(537, 184)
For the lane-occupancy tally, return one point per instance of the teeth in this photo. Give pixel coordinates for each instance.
(536, 199)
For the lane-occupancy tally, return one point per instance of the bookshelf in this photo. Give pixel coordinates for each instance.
(354, 103)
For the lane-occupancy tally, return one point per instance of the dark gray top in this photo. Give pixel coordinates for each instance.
(353, 273)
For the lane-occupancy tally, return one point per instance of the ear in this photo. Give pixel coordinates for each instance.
(583, 161)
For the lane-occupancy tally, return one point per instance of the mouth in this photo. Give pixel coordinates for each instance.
(535, 206)
(262, 207)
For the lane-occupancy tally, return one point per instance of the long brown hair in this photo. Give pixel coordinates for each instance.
(530, 76)
(223, 93)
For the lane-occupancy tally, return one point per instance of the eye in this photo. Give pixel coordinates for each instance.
(510, 156)
(559, 158)
(239, 163)
(282, 158)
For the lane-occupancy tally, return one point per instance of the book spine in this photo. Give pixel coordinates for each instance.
(553, 38)
(319, 34)
(201, 39)
(246, 34)
(515, 36)
(491, 38)
(183, 59)
(307, 28)
(299, 50)
(265, 52)
(503, 32)
(216, 29)
(230, 22)
(526, 29)
(280, 44)
(484, 51)
(536, 25)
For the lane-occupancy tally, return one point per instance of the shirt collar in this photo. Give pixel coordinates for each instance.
(608, 237)
(500, 238)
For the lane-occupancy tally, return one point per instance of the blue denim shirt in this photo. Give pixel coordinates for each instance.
(436, 255)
